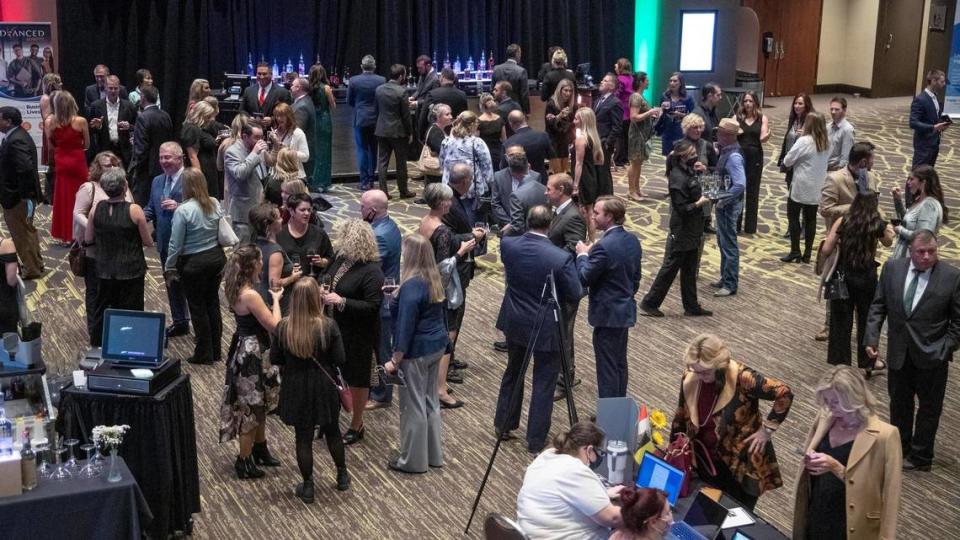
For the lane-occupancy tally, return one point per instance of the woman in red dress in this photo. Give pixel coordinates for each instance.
(69, 136)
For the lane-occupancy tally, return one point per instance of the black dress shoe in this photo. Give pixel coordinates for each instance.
(408, 194)
(507, 436)
(456, 404)
(791, 258)
(698, 312)
(199, 361)
(909, 465)
(709, 230)
(454, 377)
(353, 436)
(805, 259)
(178, 329)
(500, 346)
(458, 364)
(419, 200)
(650, 311)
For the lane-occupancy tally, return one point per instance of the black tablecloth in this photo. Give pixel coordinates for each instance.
(761, 530)
(77, 508)
(160, 448)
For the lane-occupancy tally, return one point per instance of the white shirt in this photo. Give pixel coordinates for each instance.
(562, 207)
(936, 104)
(113, 114)
(922, 279)
(266, 91)
(558, 496)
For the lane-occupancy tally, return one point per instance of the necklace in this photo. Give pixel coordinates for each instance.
(715, 399)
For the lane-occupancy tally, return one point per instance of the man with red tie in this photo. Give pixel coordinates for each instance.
(260, 99)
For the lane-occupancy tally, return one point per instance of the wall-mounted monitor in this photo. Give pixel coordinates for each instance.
(698, 31)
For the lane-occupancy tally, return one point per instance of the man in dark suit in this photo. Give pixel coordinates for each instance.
(528, 260)
(566, 230)
(362, 97)
(20, 190)
(609, 115)
(512, 72)
(536, 144)
(926, 120)
(259, 100)
(166, 193)
(111, 123)
(98, 90)
(919, 298)
(506, 180)
(394, 132)
(525, 197)
(610, 269)
(428, 80)
(505, 103)
(446, 93)
(305, 113)
(152, 129)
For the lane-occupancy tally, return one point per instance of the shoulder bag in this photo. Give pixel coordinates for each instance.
(835, 288)
(78, 253)
(346, 396)
(226, 236)
(429, 164)
(681, 455)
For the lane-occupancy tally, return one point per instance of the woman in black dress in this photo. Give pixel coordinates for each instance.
(354, 297)
(756, 131)
(492, 128)
(558, 119)
(199, 135)
(309, 350)
(587, 155)
(305, 243)
(9, 313)
(278, 271)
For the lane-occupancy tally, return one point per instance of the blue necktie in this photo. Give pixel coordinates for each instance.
(167, 187)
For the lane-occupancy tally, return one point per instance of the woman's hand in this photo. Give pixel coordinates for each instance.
(758, 440)
(896, 193)
(699, 167)
(702, 201)
(479, 233)
(276, 294)
(390, 367)
(614, 492)
(466, 247)
(818, 463)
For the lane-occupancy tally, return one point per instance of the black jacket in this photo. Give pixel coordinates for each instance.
(516, 75)
(92, 94)
(537, 146)
(18, 168)
(686, 219)
(609, 119)
(250, 101)
(393, 112)
(451, 95)
(100, 138)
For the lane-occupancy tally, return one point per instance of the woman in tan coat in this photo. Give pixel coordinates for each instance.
(849, 485)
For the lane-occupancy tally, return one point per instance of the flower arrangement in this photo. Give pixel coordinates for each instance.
(660, 429)
(109, 437)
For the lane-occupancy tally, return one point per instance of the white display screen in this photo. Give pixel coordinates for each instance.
(697, 30)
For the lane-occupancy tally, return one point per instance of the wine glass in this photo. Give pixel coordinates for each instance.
(311, 254)
(72, 465)
(275, 285)
(325, 284)
(97, 458)
(44, 470)
(61, 473)
(91, 469)
(389, 285)
(295, 259)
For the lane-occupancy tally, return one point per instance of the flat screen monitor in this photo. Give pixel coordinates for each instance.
(658, 474)
(583, 71)
(133, 337)
(697, 40)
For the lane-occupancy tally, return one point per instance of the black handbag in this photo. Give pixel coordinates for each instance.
(836, 287)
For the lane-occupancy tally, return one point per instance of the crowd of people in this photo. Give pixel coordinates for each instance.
(317, 314)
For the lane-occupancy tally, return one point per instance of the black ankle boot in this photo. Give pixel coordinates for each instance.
(246, 468)
(305, 491)
(261, 455)
(343, 479)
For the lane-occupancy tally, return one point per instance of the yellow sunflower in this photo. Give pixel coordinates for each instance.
(658, 438)
(658, 420)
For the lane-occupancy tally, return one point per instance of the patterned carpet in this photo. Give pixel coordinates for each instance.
(769, 325)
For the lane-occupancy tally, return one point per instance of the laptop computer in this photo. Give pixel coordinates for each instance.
(701, 522)
(656, 473)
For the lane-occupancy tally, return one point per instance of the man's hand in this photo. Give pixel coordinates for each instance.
(259, 147)
(699, 167)
(941, 126)
(871, 352)
(168, 204)
(96, 123)
(266, 121)
(583, 247)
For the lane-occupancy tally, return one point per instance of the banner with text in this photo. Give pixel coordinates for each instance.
(26, 55)
(951, 101)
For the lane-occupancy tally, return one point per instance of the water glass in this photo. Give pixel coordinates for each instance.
(72, 464)
(90, 469)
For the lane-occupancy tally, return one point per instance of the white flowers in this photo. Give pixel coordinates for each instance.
(109, 436)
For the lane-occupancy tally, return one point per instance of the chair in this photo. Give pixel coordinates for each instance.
(499, 527)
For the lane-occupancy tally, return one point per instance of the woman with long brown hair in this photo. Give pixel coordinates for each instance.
(756, 131)
(802, 107)
(196, 258)
(928, 210)
(69, 135)
(309, 350)
(286, 134)
(587, 156)
(252, 382)
(807, 160)
(322, 94)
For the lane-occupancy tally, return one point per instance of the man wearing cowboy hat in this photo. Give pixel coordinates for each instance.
(729, 166)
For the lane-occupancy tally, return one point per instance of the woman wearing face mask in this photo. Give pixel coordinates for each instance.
(849, 486)
(646, 515)
(561, 497)
(720, 409)
(686, 230)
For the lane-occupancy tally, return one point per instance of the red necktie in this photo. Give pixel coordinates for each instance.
(263, 96)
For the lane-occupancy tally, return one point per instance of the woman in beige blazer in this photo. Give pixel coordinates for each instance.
(849, 485)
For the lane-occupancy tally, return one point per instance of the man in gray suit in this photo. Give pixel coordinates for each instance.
(525, 197)
(506, 180)
(306, 116)
(427, 81)
(394, 131)
(244, 172)
(920, 299)
(512, 72)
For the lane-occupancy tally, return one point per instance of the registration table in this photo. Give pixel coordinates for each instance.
(160, 448)
(77, 508)
(760, 530)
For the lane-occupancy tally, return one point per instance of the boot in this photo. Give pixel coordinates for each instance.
(246, 468)
(305, 491)
(343, 479)
(261, 455)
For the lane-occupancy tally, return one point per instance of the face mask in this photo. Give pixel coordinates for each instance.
(691, 162)
(369, 215)
(596, 461)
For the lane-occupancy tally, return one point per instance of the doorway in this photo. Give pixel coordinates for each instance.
(897, 52)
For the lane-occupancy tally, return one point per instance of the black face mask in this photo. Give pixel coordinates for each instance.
(691, 162)
(596, 462)
(369, 215)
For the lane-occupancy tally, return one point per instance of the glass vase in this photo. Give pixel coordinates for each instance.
(114, 474)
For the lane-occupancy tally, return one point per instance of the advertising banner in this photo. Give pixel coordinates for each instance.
(951, 101)
(26, 55)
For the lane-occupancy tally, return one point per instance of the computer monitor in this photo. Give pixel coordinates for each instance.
(133, 337)
(583, 72)
(658, 474)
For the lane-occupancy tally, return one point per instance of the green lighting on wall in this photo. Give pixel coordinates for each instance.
(645, 38)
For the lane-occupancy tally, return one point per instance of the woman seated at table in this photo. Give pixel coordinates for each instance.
(646, 514)
(720, 408)
(850, 475)
(303, 241)
(561, 497)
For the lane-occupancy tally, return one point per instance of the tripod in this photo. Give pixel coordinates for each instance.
(549, 302)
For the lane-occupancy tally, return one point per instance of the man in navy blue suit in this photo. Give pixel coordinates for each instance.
(610, 269)
(166, 193)
(362, 97)
(925, 120)
(527, 261)
(609, 115)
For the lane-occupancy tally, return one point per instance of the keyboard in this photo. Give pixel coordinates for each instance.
(683, 531)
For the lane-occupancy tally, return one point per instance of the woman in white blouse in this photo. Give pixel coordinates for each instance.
(808, 157)
(286, 134)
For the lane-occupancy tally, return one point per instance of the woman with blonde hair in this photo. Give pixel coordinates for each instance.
(720, 409)
(235, 126)
(352, 292)
(69, 136)
(587, 156)
(196, 258)
(558, 72)
(558, 119)
(252, 383)
(309, 349)
(464, 146)
(807, 159)
(419, 340)
(285, 169)
(286, 134)
(849, 485)
(199, 136)
(199, 89)
(491, 128)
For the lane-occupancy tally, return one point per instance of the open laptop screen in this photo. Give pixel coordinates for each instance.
(658, 474)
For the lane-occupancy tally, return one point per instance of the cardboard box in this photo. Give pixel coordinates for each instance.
(11, 481)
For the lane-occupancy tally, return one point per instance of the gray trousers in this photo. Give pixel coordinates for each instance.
(421, 435)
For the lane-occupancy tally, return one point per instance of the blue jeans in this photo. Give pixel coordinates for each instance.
(179, 314)
(727, 242)
(366, 143)
(384, 392)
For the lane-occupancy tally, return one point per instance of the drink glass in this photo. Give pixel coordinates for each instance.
(324, 284)
(90, 469)
(72, 464)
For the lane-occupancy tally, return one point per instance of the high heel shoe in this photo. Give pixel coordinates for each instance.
(791, 258)
(353, 436)
(343, 479)
(261, 455)
(246, 468)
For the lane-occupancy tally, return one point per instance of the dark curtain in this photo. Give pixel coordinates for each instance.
(180, 40)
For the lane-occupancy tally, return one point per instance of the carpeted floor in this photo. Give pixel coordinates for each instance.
(769, 325)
